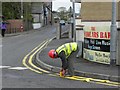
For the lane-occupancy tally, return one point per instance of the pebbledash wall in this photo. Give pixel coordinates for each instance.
(96, 18)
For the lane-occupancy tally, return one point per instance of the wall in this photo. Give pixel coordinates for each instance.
(96, 18)
(97, 11)
(14, 26)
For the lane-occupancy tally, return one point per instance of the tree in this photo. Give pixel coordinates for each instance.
(62, 9)
(62, 13)
(11, 10)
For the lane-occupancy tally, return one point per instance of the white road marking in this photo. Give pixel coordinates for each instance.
(18, 68)
(4, 66)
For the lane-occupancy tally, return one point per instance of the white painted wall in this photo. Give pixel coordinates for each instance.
(36, 25)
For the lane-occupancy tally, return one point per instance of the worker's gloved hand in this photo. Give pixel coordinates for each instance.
(62, 72)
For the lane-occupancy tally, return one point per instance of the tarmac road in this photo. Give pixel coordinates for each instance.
(16, 75)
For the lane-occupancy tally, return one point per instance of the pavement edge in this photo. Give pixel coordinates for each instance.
(79, 73)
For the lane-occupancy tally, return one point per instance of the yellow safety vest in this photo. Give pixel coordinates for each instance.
(67, 48)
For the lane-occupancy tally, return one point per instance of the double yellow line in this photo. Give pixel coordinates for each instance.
(97, 81)
(29, 58)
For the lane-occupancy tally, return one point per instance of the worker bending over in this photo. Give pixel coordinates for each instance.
(65, 52)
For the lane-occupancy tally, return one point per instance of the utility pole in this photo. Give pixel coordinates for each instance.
(74, 29)
(0, 41)
(21, 9)
(113, 39)
(71, 24)
(0, 11)
(21, 16)
(45, 14)
(51, 14)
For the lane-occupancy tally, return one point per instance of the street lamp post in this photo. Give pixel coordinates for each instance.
(113, 40)
(51, 14)
(21, 9)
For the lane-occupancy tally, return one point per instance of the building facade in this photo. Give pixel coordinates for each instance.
(96, 18)
(41, 14)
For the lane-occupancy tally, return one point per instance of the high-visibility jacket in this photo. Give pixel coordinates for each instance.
(68, 48)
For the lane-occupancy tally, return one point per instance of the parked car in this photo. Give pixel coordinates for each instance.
(62, 22)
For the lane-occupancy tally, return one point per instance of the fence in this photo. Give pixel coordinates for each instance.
(14, 26)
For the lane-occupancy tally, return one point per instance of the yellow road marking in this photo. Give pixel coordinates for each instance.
(53, 75)
(28, 66)
(91, 80)
(105, 81)
(73, 78)
(99, 80)
(25, 58)
(30, 60)
(79, 77)
(106, 84)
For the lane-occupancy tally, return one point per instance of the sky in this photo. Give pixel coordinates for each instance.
(64, 3)
(61, 3)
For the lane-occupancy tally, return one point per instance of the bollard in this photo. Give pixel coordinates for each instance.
(70, 31)
(21, 28)
(80, 39)
(72, 26)
(79, 33)
(59, 31)
(80, 47)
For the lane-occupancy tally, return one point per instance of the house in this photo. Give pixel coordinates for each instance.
(96, 18)
(41, 14)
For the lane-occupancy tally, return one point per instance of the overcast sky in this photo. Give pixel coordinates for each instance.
(61, 3)
(64, 3)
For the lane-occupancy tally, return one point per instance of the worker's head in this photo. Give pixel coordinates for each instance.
(52, 53)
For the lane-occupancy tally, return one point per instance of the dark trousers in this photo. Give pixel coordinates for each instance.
(71, 61)
(3, 32)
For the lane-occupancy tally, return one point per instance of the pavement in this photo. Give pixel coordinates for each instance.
(25, 32)
(82, 67)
